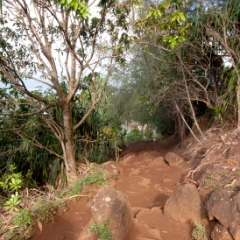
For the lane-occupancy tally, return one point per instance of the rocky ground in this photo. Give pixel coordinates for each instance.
(168, 194)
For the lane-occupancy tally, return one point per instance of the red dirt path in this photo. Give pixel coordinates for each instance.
(147, 182)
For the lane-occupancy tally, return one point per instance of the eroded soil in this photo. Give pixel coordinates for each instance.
(148, 181)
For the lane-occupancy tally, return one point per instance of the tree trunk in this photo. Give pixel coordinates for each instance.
(213, 74)
(238, 102)
(181, 125)
(68, 145)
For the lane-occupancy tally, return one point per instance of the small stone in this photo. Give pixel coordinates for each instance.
(174, 159)
(107, 199)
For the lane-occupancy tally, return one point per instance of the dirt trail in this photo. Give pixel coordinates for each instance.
(148, 181)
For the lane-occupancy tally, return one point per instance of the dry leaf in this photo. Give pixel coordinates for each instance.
(39, 225)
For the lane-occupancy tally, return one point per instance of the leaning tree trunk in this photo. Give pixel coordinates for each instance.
(68, 146)
(180, 123)
(181, 128)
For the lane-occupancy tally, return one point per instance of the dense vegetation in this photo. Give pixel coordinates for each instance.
(107, 75)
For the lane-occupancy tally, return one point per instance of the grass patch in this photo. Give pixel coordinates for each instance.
(97, 176)
(21, 225)
(217, 177)
(199, 232)
(209, 175)
(45, 210)
(102, 230)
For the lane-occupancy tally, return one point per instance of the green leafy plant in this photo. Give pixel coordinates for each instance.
(102, 230)
(12, 181)
(78, 6)
(13, 202)
(23, 219)
(23, 223)
(199, 232)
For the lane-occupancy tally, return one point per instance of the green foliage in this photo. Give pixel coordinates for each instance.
(133, 96)
(20, 142)
(96, 176)
(23, 219)
(96, 140)
(45, 210)
(164, 21)
(199, 232)
(134, 135)
(11, 181)
(199, 29)
(148, 134)
(79, 7)
(13, 202)
(100, 137)
(215, 23)
(35, 129)
(174, 41)
(102, 230)
(23, 222)
(218, 114)
(227, 103)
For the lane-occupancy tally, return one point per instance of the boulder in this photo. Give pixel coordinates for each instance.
(235, 225)
(235, 230)
(223, 204)
(185, 204)
(220, 233)
(219, 207)
(113, 205)
(215, 175)
(173, 159)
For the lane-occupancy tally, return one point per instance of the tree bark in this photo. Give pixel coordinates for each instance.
(180, 123)
(212, 74)
(181, 114)
(68, 145)
(238, 102)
